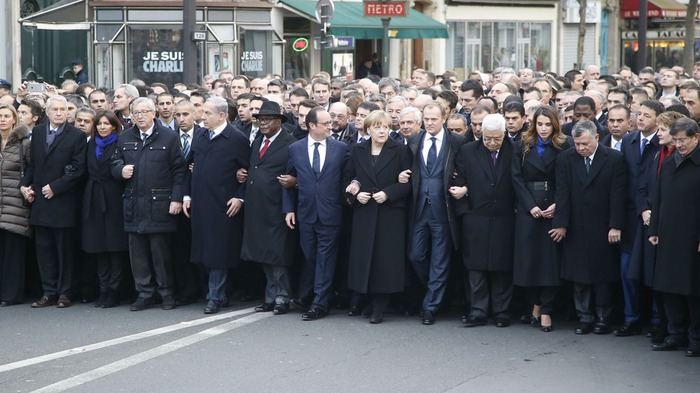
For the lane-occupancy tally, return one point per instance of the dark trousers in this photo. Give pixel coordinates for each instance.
(429, 253)
(13, 250)
(630, 289)
(151, 263)
(494, 286)
(584, 297)
(110, 270)
(319, 243)
(277, 288)
(217, 284)
(186, 274)
(683, 314)
(55, 251)
(543, 297)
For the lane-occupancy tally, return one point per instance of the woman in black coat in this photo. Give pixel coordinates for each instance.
(377, 251)
(103, 222)
(536, 266)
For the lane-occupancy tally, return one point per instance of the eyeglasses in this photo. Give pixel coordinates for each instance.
(327, 123)
(680, 141)
(141, 113)
(265, 119)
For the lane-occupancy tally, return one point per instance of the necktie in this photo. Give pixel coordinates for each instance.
(253, 135)
(144, 136)
(264, 149)
(316, 162)
(211, 134)
(642, 145)
(336, 136)
(588, 164)
(364, 138)
(494, 156)
(185, 144)
(618, 145)
(432, 155)
(50, 137)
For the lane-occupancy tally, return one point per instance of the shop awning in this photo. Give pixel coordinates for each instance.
(349, 20)
(629, 9)
(63, 15)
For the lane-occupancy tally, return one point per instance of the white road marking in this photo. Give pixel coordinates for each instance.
(148, 355)
(121, 340)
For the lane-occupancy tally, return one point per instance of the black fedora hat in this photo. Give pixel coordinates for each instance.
(270, 108)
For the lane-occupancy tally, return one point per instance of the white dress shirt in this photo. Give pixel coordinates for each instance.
(427, 143)
(311, 145)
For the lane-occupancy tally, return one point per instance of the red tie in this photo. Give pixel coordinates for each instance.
(264, 149)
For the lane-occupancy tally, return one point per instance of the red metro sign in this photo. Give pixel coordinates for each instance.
(386, 9)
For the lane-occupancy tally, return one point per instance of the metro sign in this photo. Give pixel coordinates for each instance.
(386, 9)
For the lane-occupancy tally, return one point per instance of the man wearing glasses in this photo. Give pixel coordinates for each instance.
(150, 159)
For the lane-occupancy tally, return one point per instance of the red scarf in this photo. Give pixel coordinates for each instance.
(665, 152)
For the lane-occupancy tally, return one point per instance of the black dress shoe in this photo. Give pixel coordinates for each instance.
(376, 318)
(265, 307)
(299, 305)
(535, 321)
(660, 336)
(653, 330)
(142, 303)
(473, 321)
(355, 311)
(169, 303)
(112, 300)
(212, 307)
(670, 344)
(428, 317)
(502, 322)
(628, 329)
(583, 328)
(281, 308)
(313, 314)
(101, 299)
(601, 328)
(185, 300)
(693, 352)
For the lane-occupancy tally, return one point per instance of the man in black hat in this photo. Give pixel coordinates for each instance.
(5, 87)
(80, 74)
(266, 238)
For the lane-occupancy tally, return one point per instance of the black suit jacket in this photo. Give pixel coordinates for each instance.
(62, 166)
(602, 130)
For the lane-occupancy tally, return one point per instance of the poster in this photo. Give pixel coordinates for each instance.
(342, 65)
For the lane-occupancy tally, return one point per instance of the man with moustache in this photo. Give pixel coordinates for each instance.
(84, 119)
(165, 105)
(618, 124)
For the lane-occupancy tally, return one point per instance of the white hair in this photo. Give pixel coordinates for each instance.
(494, 122)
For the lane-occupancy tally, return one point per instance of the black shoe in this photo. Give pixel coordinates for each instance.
(142, 303)
(526, 319)
(660, 336)
(601, 328)
(169, 303)
(112, 300)
(376, 318)
(670, 344)
(281, 308)
(212, 307)
(502, 322)
(583, 328)
(473, 321)
(693, 352)
(185, 300)
(535, 321)
(313, 314)
(653, 330)
(298, 305)
(628, 329)
(546, 329)
(265, 307)
(355, 311)
(100, 300)
(428, 317)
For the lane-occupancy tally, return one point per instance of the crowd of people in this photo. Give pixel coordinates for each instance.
(511, 191)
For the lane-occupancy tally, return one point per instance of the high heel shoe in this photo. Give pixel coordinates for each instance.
(546, 328)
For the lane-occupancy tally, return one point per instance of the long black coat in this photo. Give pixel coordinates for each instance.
(103, 218)
(159, 171)
(675, 219)
(266, 237)
(536, 254)
(488, 212)
(378, 249)
(589, 205)
(62, 166)
(216, 237)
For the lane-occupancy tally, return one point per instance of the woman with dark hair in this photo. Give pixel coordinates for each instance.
(14, 215)
(537, 261)
(103, 222)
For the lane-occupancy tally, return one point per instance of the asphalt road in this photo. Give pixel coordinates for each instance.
(84, 349)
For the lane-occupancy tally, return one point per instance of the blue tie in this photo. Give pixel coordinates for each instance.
(211, 134)
(50, 137)
(642, 145)
(432, 155)
(185, 144)
(316, 163)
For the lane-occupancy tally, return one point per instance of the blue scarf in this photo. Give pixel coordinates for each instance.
(541, 145)
(102, 144)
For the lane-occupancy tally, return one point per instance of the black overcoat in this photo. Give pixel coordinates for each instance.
(488, 214)
(675, 219)
(216, 237)
(536, 260)
(103, 218)
(266, 237)
(378, 248)
(589, 205)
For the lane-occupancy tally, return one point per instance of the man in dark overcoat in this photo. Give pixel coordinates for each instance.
(216, 199)
(488, 220)
(589, 217)
(266, 237)
(52, 182)
(676, 232)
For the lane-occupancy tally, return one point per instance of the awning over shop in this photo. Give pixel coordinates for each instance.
(350, 21)
(64, 15)
(629, 9)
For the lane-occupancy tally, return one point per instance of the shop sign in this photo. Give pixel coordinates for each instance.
(346, 42)
(252, 61)
(386, 9)
(300, 44)
(163, 62)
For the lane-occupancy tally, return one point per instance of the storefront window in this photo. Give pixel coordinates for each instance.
(296, 54)
(660, 53)
(255, 52)
(155, 55)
